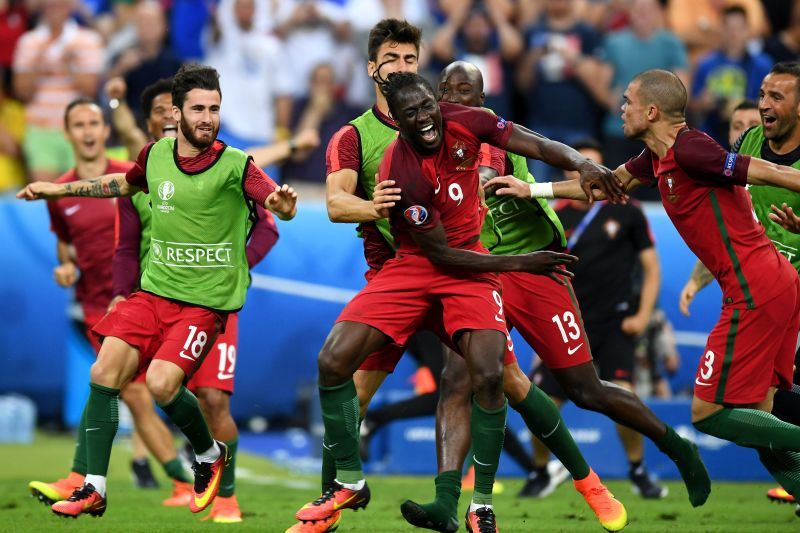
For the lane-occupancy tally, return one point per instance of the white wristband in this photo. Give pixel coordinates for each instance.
(542, 190)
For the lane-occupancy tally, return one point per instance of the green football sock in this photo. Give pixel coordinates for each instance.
(444, 507)
(174, 469)
(184, 411)
(79, 457)
(227, 484)
(751, 428)
(690, 465)
(328, 465)
(102, 420)
(784, 467)
(488, 429)
(544, 420)
(340, 414)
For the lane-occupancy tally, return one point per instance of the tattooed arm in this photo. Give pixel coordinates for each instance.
(108, 186)
(699, 278)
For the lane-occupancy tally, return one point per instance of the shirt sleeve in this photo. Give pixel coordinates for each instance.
(416, 203)
(486, 126)
(57, 223)
(494, 158)
(257, 185)
(264, 237)
(703, 159)
(125, 265)
(343, 150)
(641, 167)
(136, 175)
(25, 53)
(641, 236)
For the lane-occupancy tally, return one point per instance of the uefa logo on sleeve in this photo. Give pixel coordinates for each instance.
(416, 214)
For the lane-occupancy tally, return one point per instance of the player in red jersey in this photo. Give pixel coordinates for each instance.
(751, 349)
(87, 227)
(440, 264)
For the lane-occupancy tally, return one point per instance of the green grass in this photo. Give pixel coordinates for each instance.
(270, 495)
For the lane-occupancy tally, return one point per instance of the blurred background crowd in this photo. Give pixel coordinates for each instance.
(557, 66)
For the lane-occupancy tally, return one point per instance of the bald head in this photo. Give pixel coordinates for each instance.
(461, 82)
(664, 90)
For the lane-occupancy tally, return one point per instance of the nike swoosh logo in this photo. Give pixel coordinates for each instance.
(480, 463)
(337, 506)
(438, 186)
(554, 430)
(571, 351)
(71, 210)
(92, 429)
(190, 358)
(331, 446)
(224, 376)
(698, 382)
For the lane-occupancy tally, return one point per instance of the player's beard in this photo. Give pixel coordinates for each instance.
(200, 144)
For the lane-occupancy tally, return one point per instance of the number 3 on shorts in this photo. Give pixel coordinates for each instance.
(194, 345)
(707, 369)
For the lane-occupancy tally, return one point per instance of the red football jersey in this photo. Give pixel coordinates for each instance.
(88, 225)
(703, 191)
(443, 186)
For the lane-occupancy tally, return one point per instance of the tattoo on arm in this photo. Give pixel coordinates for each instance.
(94, 188)
(701, 275)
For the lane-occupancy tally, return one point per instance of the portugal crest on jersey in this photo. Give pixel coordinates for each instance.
(461, 155)
(416, 214)
(671, 196)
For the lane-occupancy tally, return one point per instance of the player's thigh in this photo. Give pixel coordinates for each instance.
(548, 317)
(472, 305)
(116, 363)
(743, 356)
(218, 369)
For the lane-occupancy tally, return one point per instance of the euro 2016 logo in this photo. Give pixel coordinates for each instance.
(157, 250)
(166, 190)
(416, 214)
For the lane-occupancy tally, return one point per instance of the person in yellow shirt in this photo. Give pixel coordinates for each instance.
(12, 130)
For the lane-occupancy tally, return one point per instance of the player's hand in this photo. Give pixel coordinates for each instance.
(384, 197)
(66, 274)
(785, 217)
(114, 301)
(508, 186)
(550, 264)
(595, 175)
(307, 139)
(688, 293)
(116, 88)
(283, 202)
(40, 190)
(634, 325)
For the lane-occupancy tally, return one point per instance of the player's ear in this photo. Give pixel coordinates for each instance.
(371, 67)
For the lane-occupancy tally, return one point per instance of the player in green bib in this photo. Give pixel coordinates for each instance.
(777, 140)
(202, 196)
(548, 317)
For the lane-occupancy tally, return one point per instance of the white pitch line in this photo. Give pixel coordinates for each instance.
(303, 289)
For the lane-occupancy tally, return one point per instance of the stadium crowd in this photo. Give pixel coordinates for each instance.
(557, 66)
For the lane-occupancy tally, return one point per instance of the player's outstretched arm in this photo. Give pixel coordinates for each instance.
(785, 217)
(283, 202)
(570, 190)
(107, 186)
(761, 172)
(434, 245)
(528, 143)
(341, 200)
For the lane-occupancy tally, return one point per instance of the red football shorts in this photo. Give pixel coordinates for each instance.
(398, 300)
(547, 316)
(91, 318)
(162, 329)
(751, 350)
(218, 368)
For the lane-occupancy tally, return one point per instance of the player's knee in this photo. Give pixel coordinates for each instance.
(333, 366)
(590, 397)
(161, 387)
(455, 381)
(213, 402)
(488, 379)
(104, 374)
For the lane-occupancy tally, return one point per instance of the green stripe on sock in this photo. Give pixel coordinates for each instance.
(728, 360)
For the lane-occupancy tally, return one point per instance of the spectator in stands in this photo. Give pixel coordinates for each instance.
(13, 23)
(149, 59)
(785, 45)
(644, 45)
(482, 34)
(323, 111)
(255, 77)
(745, 115)
(726, 76)
(560, 78)
(12, 130)
(54, 63)
(699, 23)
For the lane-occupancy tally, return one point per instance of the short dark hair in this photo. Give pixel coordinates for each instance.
(193, 76)
(664, 89)
(393, 31)
(587, 143)
(81, 100)
(164, 85)
(792, 68)
(745, 105)
(397, 82)
(734, 9)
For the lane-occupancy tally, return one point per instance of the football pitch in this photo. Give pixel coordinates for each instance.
(270, 495)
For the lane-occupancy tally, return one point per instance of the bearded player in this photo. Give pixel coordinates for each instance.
(201, 219)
